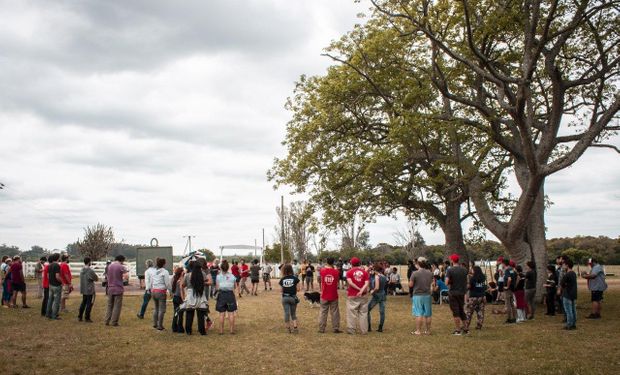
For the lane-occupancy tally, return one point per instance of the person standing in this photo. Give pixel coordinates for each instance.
(530, 289)
(87, 289)
(67, 282)
(357, 298)
(551, 290)
(378, 284)
(456, 279)
(5, 272)
(267, 275)
(596, 285)
(18, 283)
(510, 284)
(55, 286)
(196, 298)
(569, 294)
(146, 298)
(45, 283)
(213, 270)
(302, 272)
(476, 300)
(289, 286)
(244, 273)
(254, 277)
(117, 273)
(38, 275)
(420, 286)
(178, 297)
(159, 285)
(309, 277)
(330, 278)
(226, 285)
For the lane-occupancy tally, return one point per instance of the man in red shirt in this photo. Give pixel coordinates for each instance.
(357, 298)
(329, 296)
(18, 282)
(67, 281)
(244, 270)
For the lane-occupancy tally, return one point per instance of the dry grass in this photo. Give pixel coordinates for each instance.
(32, 345)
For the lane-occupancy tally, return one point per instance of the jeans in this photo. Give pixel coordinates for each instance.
(377, 299)
(145, 302)
(511, 311)
(570, 310)
(290, 308)
(53, 303)
(177, 318)
(550, 301)
(87, 305)
(530, 297)
(159, 299)
(189, 321)
(46, 296)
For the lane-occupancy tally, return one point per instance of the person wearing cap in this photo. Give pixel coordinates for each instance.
(510, 280)
(357, 298)
(597, 285)
(456, 278)
(420, 286)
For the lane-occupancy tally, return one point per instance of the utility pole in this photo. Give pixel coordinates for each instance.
(262, 250)
(282, 241)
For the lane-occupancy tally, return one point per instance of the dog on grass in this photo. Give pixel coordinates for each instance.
(313, 298)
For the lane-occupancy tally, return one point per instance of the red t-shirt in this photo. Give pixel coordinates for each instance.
(329, 284)
(45, 282)
(17, 277)
(245, 270)
(235, 270)
(359, 277)
(65, 273)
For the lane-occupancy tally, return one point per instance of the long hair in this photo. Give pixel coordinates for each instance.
(478, 275)
(175, 280)
(197, 280)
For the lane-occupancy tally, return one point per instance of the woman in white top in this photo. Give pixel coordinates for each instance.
(196, 283)
(159, 285)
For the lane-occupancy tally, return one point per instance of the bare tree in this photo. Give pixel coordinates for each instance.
(97, 241)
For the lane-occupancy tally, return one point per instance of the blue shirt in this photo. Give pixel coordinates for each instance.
(226, 281)
(441, 285)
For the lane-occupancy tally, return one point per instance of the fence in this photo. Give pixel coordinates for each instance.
(76, 267)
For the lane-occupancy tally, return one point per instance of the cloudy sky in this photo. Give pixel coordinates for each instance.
(161, 118)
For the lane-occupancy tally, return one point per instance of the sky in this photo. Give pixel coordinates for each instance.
(161, 119)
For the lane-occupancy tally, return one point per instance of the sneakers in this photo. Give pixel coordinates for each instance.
(456, 332)
(593, 316)
(337, 331)
(140, 316)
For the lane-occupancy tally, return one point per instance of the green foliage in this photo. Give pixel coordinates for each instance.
(209, 255)
(35, 253)
(605, 249)
(9, 250)
(272, 253)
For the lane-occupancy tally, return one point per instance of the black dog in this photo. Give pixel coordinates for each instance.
(313, 298)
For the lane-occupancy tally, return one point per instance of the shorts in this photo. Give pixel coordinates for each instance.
(597, 295)
(66, 290)
(237, 279)
(457, 305)
(226, 301)
(19, 287)
(141, 277)
(266, 277)
(421, 306)
(254, 280)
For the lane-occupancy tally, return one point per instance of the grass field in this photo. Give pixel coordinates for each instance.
(32, 345)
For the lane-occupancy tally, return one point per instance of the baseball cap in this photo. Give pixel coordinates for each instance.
(422, 260)
(454, 258)
(355, 261)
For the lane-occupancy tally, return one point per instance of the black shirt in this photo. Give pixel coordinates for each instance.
(530, 279)
(509, 272)
(309, 271)
(477, 288)
(52, 271)
(520, 282)
(569, 285)
(289, 285)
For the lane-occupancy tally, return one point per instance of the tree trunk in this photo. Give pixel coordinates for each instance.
(537, 240)
(453, 231)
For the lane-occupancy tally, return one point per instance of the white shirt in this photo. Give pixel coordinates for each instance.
(160, 279)
(148, 275)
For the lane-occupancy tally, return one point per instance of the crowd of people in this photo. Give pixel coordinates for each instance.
(192, 285)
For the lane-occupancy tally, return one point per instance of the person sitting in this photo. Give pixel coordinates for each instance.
(492, 292)
(394, 284)
(438, 287)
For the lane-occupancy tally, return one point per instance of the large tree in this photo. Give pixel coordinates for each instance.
(368, 139)
(540, 78)
(97, 242)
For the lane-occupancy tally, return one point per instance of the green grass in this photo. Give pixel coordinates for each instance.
(32, 345)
